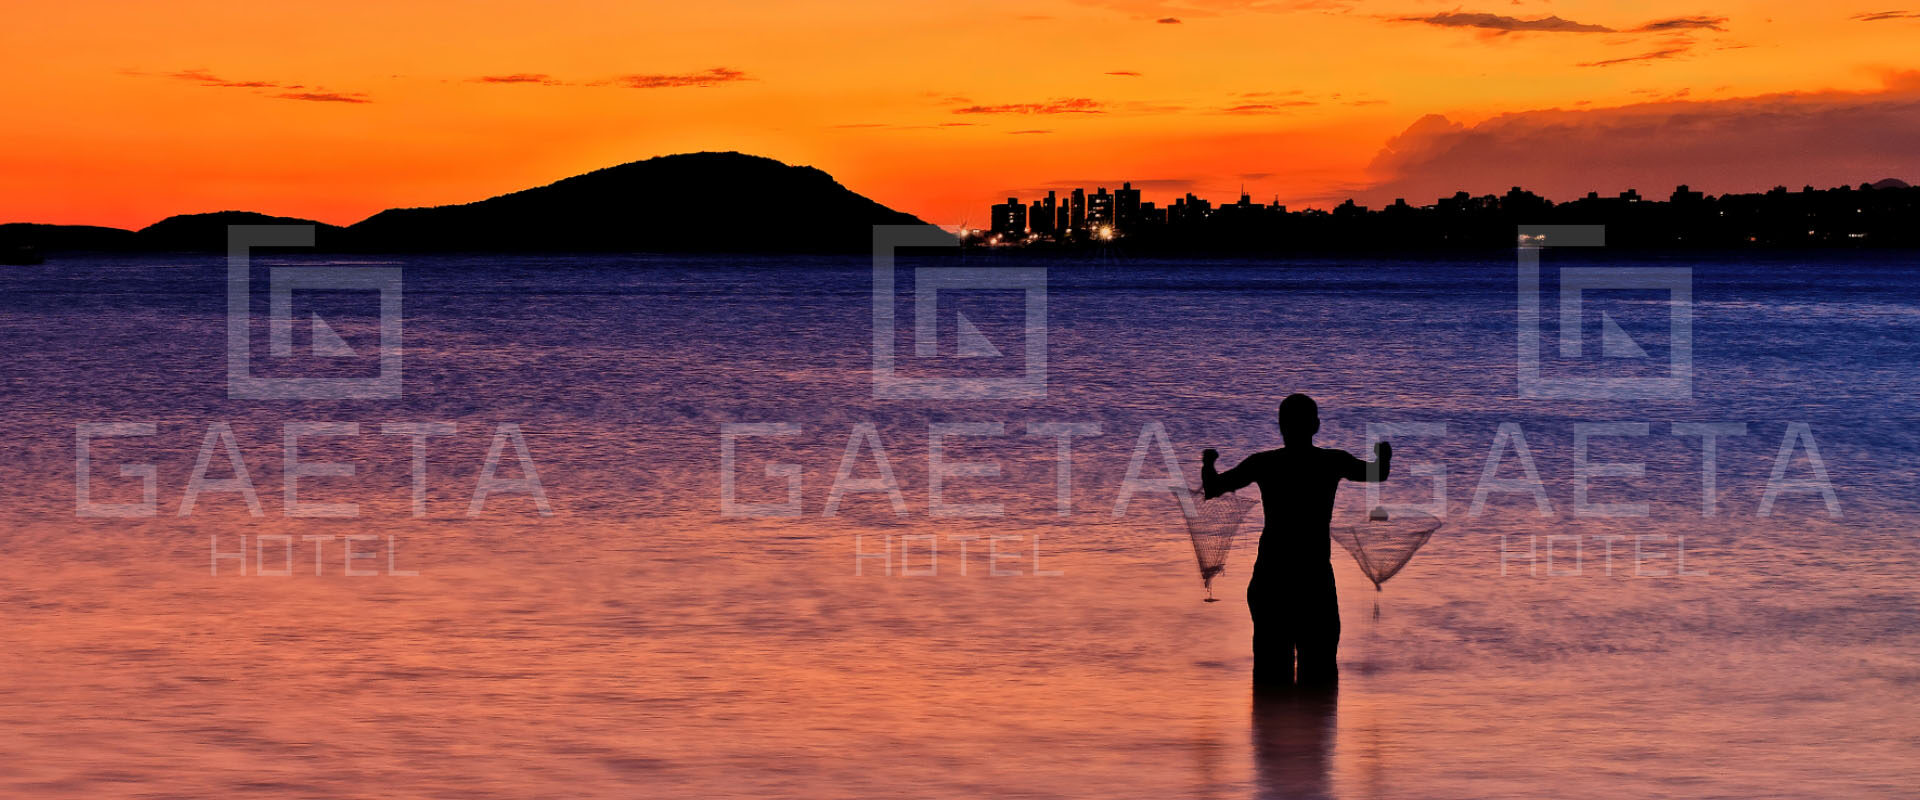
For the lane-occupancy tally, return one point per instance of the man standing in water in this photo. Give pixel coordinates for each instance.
(1291, 593)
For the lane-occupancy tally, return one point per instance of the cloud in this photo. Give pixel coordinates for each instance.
(1656, 55)
(325, 97)
(711, 77)
(1170, 12)
(1683, 23)
(286, 91)
(207, 78)
(1500, 24)
(1125, 74)
(520, 77)
(1266, 108)
(1664, 94)
(1072, 105)
(1504, 24)
(1028, 131)
(1741, 144)
(1882, 16)
(897, 127)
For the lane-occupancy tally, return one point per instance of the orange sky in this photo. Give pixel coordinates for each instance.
(121, 113)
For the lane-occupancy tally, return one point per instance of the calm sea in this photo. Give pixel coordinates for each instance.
(663, 527)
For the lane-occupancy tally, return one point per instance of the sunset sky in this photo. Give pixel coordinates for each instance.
(121, 113)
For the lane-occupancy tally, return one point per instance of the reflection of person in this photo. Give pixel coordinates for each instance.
(1293, 733)
(1291, 594)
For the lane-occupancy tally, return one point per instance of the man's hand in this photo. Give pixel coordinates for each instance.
(1209, 456)
(1382, 451)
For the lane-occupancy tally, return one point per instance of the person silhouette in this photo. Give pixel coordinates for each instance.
(1291, 597)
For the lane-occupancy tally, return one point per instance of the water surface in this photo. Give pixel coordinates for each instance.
(639, 642)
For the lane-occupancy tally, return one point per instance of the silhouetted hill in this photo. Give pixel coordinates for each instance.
(715, 202)
(208, 232)
(1890, 183)
(687, 202)
(66, 238)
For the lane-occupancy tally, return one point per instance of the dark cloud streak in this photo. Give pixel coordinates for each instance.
(1657, 55)
(207, 78)
(1502, 24)
(1267, 108)
(1505, 24)
(1683, 23)
(1072, 105)
(540, 78)
(325, 97)
(711, 77)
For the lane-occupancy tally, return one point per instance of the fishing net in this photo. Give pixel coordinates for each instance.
(1382, 544)
(1213, 525)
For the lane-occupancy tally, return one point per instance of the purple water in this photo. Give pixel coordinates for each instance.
(638, 641)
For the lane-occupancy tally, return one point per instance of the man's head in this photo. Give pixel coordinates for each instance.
(1299, 419)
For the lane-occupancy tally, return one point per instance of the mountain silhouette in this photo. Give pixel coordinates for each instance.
(61, 238)
(705, 202)
(688, 202)
(209, 231)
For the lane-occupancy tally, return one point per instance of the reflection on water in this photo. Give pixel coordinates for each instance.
(1293, 735)
(638, 643)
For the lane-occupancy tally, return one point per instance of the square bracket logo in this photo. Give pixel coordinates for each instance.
(928, 283)
(1616, 344)
(242, 382)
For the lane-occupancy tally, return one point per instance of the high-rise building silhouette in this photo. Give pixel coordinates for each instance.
(1126, 207)
(1010, 218)
(1078, 221)
(1041, 217)
(1099, 210)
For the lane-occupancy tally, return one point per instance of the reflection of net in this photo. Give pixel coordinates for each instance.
(1382, 546)
(1213, 524)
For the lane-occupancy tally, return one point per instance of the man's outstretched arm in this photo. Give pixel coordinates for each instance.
(1213, 484)
(1375, 472)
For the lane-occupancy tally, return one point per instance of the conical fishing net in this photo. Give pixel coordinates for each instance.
(1213, 524)
(1382, 544)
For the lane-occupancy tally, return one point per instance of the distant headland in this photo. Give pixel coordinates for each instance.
(1882, 214)
(689, 202)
